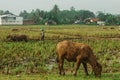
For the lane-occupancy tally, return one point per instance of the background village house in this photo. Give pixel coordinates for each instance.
(10, 19)
(28, 22)
(91, 20)
(102, 23)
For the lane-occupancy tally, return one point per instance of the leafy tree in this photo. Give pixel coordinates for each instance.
(101, 16)
(110, 19)
(37, 16)
(24, 14)
(72, 8)
(117, 17)
(1, 12)
(67, 16)
(53, 15)
(83, 14)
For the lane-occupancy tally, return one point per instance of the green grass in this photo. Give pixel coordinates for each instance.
(61, 31)
(53, 76)
(30, 57)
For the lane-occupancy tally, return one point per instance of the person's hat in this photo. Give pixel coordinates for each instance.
(42, 29)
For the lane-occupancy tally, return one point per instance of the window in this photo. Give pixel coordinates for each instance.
(14, 18)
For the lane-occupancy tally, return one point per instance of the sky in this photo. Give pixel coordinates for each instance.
(16, 6)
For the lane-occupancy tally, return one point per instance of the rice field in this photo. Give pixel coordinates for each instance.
(19, 60)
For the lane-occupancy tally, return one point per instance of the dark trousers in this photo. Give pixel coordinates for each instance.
(42, 38)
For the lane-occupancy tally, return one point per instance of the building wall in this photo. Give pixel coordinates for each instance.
(11, 21)
(101, 23)
(28, 22)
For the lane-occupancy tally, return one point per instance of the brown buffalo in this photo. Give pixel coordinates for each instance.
(79, 53)
(16, 38)
(15, 29)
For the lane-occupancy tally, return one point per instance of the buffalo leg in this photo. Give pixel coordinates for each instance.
(77, 67)
(85, 68)
(61, 61)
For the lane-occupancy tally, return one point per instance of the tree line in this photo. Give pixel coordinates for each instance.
(66, 16)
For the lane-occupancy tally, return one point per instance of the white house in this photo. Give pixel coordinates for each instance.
(10, 19)
(102, 23)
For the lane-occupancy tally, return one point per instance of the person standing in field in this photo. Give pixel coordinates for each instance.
(42, 34)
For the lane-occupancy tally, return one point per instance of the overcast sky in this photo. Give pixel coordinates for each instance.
(16, 6)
